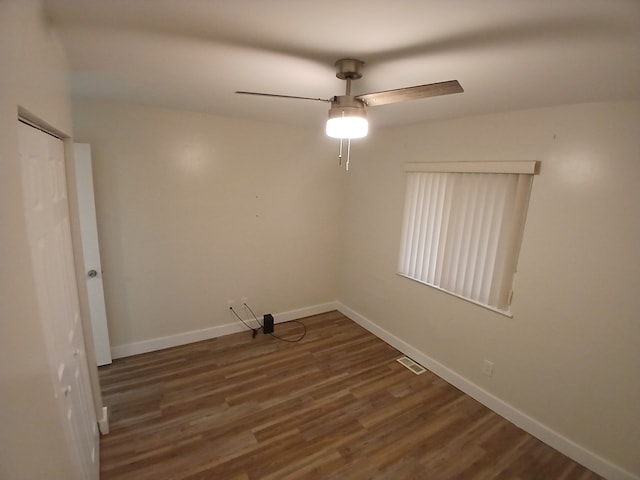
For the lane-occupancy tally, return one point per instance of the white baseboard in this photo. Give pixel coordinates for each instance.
(159, 343)
(304, 312)
(544, 433)
(103, 422)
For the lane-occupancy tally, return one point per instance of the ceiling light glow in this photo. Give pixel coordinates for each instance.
(347, 127)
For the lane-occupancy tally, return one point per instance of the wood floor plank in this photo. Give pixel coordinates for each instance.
(335, 405)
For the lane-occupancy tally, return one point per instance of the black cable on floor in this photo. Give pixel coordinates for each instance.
(273, 334)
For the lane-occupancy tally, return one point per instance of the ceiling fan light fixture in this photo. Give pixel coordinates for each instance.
(347, 127)
(347, 118)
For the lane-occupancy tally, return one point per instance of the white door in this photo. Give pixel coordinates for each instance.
(91, 252)
(47, 218)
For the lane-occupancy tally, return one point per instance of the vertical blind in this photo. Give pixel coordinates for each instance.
(462, 232)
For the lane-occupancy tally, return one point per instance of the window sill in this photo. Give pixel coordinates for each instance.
(506, 313)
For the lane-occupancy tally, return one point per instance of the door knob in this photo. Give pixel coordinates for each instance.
(92, 273)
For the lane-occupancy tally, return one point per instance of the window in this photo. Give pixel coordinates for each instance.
(463, 225)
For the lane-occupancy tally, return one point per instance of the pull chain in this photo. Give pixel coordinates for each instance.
(346, 164)
(348, 154)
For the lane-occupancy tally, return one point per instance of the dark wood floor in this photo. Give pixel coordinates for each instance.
(334, 406)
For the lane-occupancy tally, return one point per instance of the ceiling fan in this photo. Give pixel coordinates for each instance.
(347, 115)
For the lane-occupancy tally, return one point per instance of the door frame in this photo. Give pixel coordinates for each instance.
(35, 121)
(87, 218)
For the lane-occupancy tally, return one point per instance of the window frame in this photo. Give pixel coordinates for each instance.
(531, 167)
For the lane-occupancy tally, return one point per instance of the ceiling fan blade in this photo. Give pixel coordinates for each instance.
(283, 96)
(411, 93)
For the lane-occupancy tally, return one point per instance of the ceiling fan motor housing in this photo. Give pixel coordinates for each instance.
(347, 106)
(347, 118)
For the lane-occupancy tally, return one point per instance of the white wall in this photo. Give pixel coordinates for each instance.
(194, 210)
(33, 77)
(569, 358)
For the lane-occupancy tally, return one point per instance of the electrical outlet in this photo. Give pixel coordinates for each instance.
(244, 300)
(487, 368)
(231, 303)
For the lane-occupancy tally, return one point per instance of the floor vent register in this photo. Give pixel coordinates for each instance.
(411, 365)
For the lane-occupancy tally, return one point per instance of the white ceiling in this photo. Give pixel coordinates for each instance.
(507, 54)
